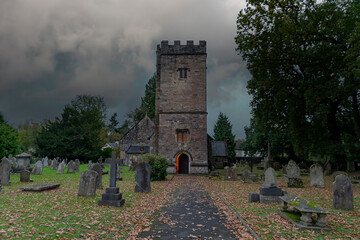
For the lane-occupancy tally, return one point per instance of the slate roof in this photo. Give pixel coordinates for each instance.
(136, 149)
(218, 149)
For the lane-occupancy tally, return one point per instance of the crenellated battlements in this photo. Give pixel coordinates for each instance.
(164, 48)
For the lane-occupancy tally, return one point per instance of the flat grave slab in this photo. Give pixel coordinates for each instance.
(40, 187)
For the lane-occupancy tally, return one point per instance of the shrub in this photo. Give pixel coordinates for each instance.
(158, 165)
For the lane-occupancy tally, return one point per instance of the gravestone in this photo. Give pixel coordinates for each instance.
(143, 171)
(54, 164)
(316, 176)
(112, 196)
(25, 176)
(5, 172)
(337, 173)
(87, 186)
(246, 175)
(97, 168)
(293, 174)
(37, 169)
(77, 165)
(40, 187)
(46, 162)
(254, 197)
(327, 168)
(61, 168)
(71, 167)
(343, 197)
(100, 160)
(270, 178)
(13, 163)
(283, 171)
(269, 192)
(90, 164)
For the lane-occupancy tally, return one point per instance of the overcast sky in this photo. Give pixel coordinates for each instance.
(53, 50)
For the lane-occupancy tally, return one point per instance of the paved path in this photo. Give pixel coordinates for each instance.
(188, 213)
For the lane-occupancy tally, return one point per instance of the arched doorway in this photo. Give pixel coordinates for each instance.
(182, 163)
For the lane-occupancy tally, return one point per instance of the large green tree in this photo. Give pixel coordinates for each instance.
(78, 133)
(9, 139)
(299, 53)
(223, 132)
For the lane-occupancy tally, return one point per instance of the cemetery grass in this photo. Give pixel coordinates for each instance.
(265, 221)
(60, 213)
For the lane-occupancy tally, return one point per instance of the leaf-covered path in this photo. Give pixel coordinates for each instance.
(190, 212)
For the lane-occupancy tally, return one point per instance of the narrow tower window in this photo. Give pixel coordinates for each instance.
(183, 72)
(182, 135)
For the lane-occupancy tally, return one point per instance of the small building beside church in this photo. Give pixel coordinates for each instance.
(140, 134)
(180, 109)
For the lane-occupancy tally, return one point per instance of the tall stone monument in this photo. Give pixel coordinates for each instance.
(112, 196)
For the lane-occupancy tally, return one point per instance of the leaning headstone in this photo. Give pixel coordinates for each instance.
(25, 176)
(97, 168)
(71, 167)
(316, 176)
(143, 171)
(77, 165)
(343, 197)
(54, 164)
(269, 192)
(38, 168)
(87, 186)
(293, 174)
(5, 172)
(61, 168)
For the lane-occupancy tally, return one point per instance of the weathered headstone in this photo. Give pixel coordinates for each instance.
(112, 196)
(54, 164)
(61, 168)
(5, 172)
(327, 168)
(38, 168)
(316, 176)
(337, 173)
(71, 167)
(100, 160)
(87, 186)
(77, 165)
(270, 178)
(45, 162)
(343, 197)
(246, 175)
(283, 171)
(24, 176)
(269, 192)
(293, 174)
(90, 164)
(143, 171)
(97, 168)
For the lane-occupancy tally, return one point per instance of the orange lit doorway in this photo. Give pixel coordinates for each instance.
(182, 164)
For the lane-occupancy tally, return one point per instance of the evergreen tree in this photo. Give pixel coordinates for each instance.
(9, 139)
(148, 101)
(223, 132)
(77, 134)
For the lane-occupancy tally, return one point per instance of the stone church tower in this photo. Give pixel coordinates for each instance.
(180, 112)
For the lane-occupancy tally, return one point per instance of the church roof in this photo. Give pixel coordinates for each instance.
(138, 149)
(218, 149)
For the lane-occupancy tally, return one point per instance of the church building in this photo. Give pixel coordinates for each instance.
(180, 108)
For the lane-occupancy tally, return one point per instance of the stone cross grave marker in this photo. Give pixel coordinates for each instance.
(112, 196)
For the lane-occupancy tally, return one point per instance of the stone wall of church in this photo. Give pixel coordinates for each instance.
(181, 103)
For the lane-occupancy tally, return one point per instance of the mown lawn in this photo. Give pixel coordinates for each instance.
(60, 213)
(264, 220)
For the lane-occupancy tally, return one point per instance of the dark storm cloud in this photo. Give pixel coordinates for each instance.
(53, 50)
